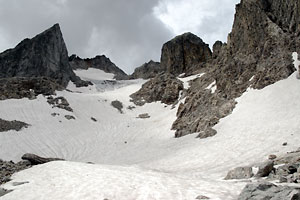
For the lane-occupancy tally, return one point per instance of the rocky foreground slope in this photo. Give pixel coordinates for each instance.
(258, 53)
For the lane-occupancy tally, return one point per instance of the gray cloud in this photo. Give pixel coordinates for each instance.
(127, 31)
(209, 19)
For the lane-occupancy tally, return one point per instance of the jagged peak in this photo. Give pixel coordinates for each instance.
(188, 35)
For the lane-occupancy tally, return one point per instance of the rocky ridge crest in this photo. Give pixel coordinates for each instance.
(147, 70)
(98, 62)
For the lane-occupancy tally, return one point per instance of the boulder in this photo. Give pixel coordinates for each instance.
(45, 55)
(269, 191)
(59, 102)
(264, 169)
(36, 160)
(240, 173)
(69, 117)
(164, 87)
(184, 54)
(144, 116)
(147, 70)
(118, 105)
(98, 62)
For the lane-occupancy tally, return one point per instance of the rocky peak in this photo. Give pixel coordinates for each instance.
(184, 54)
(147, 70)
(45, 55)
(98, 62)
(217, 47)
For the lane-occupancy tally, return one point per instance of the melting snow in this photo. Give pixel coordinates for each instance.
(186, 80)
(212, 87)
(141, 159)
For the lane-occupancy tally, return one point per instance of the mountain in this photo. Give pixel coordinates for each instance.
(45, 55)
(257, 54)
(116, 137)
(99, 62)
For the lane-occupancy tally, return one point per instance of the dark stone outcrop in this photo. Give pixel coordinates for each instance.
(164, 87)
(147, 70)
(12, 125)
(45, 55)
(239, 173)
(257, 54)
(268, 191)
(17, 88)
(202, 109)
(4, 192)
(37, 160)
(184, 54)
(118, 105)
(144, 116)
(8, 168)
(265, 169)
(59, 102)
(99, 62)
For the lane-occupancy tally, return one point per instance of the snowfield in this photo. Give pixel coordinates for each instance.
(140, 158)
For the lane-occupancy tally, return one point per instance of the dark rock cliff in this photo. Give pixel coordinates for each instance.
(45, 55)
(99, 62)
(184, 54)
(257, 54)
(147, 70)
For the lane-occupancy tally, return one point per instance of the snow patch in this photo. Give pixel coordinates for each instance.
(93, 74)
(251, 79)
(296, 64)
(186, 80)
(212, 87)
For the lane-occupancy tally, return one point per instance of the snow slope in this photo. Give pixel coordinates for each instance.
(140, 158)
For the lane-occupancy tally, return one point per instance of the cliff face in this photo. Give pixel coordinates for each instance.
(99, 62)
(257, 54)
(147, 70)
(184, 54)
(45, 55)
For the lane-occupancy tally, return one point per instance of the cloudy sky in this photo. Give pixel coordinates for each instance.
(129, 32)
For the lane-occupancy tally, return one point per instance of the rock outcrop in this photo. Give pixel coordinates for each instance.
(257, 54)
(184, 54)
(8, 168)
(164, 87)
(240, 173)
(11, 125)
(147, 70)
(45, 55)
(37, 160)
(17, 88)
(268, 191)
(99, 62)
